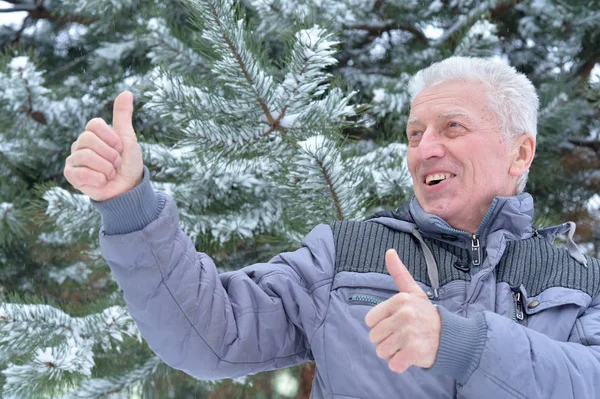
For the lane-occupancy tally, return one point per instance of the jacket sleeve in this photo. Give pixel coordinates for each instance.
(491, 355)
(214, 326)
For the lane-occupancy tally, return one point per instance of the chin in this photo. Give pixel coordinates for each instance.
(438, 208)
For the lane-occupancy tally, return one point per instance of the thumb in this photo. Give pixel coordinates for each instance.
(402, 277)
(123, 114)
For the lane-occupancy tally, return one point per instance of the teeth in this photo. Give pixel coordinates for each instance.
(437, 176)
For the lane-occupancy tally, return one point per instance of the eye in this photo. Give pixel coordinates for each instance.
(414, 133)
(454, 124)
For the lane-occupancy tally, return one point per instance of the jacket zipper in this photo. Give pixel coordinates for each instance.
(518, 313)
(475, 250)
(365, 299)
(475, 244)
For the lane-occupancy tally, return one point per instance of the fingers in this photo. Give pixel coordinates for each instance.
(81, 177)
(402, 360)
(89, 140)
(383, 330)
(385, 309)
(87, 158)
(400, 355)
(378, 313)
(101, 129)
(388, 348)
(123, 114)
(401, 323)
(402, 277)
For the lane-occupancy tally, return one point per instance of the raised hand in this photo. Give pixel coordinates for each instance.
(406, 328)
(106, 162)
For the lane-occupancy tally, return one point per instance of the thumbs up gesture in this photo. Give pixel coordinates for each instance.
(105, 161)
(406, 328)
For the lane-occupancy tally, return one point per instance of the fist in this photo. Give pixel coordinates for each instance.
(105, 161)
(406, 328)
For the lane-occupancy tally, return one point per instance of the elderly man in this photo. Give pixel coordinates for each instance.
(454, 294)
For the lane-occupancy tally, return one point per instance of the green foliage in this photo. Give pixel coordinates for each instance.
(261, 118)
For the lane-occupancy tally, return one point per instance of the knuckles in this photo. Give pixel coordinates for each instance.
(407, 313)
(402, 298)
(398, 365)
(384, 351)
(94, 124)
(86, 138)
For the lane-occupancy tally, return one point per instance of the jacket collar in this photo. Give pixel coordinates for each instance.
(511, 215)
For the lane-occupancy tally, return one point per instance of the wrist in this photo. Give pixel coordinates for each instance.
(132, 210)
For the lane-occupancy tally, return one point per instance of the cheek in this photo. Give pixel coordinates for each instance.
(410, 161)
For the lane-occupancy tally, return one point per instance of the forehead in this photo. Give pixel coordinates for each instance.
(443, 115)
(467, 97)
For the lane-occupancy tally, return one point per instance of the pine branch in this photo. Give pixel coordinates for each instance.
(323, 182)
(67, 67)
(462, 21)
(590, 143)
(585, 70)
(166, 49)
(260, 100)
(104, 387)
(334, 195)
(40, 12)
(18, 9)
(73, 214)
(243, 67)
(379, 29)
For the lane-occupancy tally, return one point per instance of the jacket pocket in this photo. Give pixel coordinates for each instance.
(554, 311)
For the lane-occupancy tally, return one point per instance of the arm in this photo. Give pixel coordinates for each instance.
(209, 325)
(491, 354)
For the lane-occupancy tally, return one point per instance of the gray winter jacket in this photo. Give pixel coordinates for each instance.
(520, 318)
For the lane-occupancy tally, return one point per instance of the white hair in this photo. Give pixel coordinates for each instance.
(511, 95)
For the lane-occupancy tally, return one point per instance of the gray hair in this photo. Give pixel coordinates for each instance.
(511, 95)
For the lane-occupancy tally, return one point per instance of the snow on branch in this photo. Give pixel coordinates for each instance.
(238, 68)
(307, 80)
(246, 222)
(74, 214)
(23, 89)
(96, 7)
(325, 182)
(22, 324)
(242, 106)
(464, 20)
(479, 40)
(278, 15)
(49, 365)
(24, 327)
(386, 170)
(169, 51)
(12, 226)
(101, 387)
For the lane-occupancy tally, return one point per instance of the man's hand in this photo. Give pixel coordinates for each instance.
(406, 328)
(106, 162)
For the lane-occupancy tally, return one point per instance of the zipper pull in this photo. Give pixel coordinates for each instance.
(518, 305)
(475, 250)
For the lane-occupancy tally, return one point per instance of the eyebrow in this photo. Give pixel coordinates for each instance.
(447, 115)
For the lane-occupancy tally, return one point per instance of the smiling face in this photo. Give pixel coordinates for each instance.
(456, 155)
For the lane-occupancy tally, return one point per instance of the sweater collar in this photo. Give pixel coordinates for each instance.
(513, 215)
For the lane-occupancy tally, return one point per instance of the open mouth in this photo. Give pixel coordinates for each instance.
(436, 178)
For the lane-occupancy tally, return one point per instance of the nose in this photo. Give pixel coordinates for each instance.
(431, 145)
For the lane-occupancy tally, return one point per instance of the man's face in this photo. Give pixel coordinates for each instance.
(456, 155)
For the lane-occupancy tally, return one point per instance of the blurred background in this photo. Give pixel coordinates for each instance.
(262, 118)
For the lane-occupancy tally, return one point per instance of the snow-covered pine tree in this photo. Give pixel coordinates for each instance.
(262, 118)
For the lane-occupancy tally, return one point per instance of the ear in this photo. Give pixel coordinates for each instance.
(523, 151)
